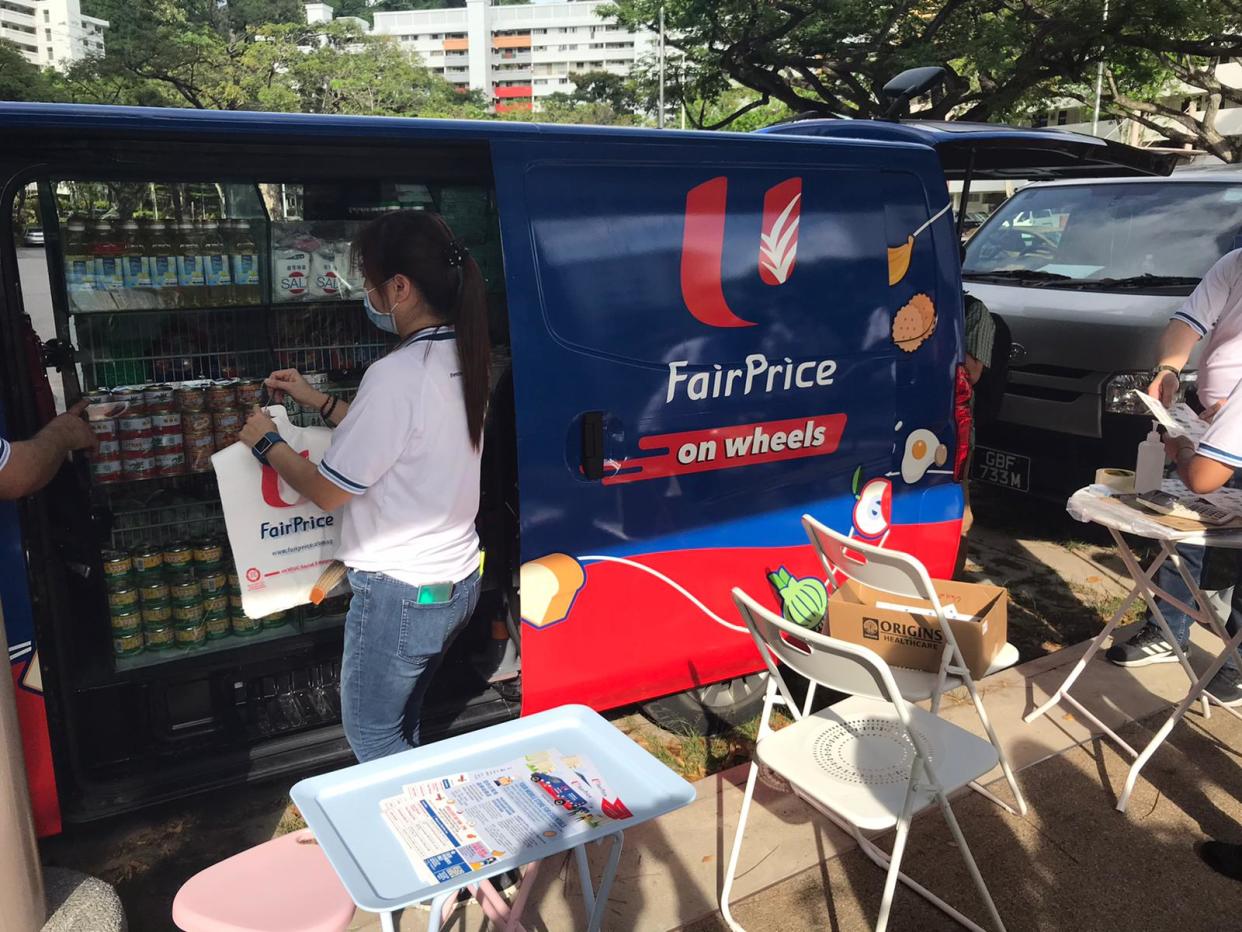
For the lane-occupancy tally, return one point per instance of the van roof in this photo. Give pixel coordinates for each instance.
(79, 120)
(996, 151)
(1224, 174)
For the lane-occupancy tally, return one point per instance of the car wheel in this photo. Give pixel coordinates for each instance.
(709, 710)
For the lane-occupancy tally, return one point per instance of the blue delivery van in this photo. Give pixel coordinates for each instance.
(698, 338)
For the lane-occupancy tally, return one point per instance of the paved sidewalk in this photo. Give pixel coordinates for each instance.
(1073, 855)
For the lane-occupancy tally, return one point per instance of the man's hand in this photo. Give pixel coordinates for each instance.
(1163, 387)
(257, 425)
(71, 431)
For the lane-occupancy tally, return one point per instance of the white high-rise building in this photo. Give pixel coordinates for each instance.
(51, 33)
(517, 54)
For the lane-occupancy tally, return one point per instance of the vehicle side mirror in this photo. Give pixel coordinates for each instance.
(914, 82)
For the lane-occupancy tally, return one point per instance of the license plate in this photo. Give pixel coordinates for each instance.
(997, 467)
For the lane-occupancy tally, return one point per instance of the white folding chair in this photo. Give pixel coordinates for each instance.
(900, 574)
(869, 762)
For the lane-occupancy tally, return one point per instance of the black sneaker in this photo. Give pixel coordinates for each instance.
(1226, 686)
(1223, 858)
(1147, 647)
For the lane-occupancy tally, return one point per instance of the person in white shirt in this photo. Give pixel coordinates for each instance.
(1214, 311)
(404, 468)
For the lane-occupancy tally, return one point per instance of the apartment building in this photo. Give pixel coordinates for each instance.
(51, 33)
(517, 54)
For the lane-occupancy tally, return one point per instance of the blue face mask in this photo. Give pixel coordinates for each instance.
(385, 322)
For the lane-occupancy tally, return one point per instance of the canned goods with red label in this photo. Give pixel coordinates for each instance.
(170, 464)
(135, 423)
(137, 443)
(226, 439)
(158, 398)
(108, 449)
(130, 395)
(106, 469)
(138, 465)
(167, 443)
(106, 429)
(166, 421)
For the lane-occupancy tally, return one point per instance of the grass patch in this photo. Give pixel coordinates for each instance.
(694, 757)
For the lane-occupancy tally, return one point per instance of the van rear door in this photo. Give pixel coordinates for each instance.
(703, 350)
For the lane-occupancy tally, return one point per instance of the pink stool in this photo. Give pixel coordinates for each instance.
(283, 885)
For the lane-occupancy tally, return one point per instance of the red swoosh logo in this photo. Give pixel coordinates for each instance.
(271, 486)
(702, 251)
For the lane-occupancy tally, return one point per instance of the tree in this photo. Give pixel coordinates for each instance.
(20, 80)
(246, 15)
(1163, 72)
(833, 59)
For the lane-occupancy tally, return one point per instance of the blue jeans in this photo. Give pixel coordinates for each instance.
(393, 646)
(1194, 560)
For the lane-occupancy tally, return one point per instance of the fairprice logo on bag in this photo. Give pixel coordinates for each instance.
(295, 525)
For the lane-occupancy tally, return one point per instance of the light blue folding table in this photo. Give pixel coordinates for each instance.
(343, 809)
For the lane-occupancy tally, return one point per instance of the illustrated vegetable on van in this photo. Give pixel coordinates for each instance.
(803, 601)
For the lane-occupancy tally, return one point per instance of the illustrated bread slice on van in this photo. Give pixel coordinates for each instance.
(549, 586)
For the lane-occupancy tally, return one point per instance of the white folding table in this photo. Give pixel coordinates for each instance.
(343, 810)
(1093, 505)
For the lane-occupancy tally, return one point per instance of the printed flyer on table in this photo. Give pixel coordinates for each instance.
(453, 825)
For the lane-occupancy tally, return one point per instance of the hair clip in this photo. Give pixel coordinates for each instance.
(457, 253)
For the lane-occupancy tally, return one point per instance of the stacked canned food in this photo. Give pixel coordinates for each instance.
(242, 625)
(166, 430)
(165, 596)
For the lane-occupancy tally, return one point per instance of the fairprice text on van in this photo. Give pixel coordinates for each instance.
(758, 373)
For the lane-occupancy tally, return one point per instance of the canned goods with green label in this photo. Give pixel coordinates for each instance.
(212, 583)
(208, 552)
(154, 592)
(119, 599)
(187, 613)
(156, 613)
(243, 626)
(217, 625)
(126, 645)
(190, 635)
(178, 555)
(117, 564)
(126, 621)
(217, 602)
(185, 590)
(159, 637)
(275, 620)
(128, 581)
(234, 581)
(148, 558)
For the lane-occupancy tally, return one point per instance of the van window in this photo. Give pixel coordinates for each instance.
(1091, 233)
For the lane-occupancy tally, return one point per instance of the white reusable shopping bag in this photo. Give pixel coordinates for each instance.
(281, 541)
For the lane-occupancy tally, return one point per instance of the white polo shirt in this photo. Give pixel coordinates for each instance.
(403, 453)
(1222, 441)
(1214, 310)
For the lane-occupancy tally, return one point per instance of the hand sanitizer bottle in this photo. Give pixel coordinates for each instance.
(1149, 468)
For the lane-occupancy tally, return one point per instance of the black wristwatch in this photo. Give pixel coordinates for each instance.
(265, 444)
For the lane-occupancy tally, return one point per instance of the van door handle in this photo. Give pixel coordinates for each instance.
(593, 444)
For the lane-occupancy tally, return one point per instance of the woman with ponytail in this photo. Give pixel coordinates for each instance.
(404, 469)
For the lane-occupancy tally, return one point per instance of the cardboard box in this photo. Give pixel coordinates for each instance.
(913, 639)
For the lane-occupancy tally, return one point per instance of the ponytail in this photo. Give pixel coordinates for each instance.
(474, 348)
(420, 246)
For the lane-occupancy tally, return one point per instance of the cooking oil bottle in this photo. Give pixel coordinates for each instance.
(217, 274)
(162, 255)
(244, 253)
(190, 285)
(79, 263)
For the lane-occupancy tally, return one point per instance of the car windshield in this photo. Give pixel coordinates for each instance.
(1108, 235)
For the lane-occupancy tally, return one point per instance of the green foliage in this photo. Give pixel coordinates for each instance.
(20, 80)
(833, 59)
